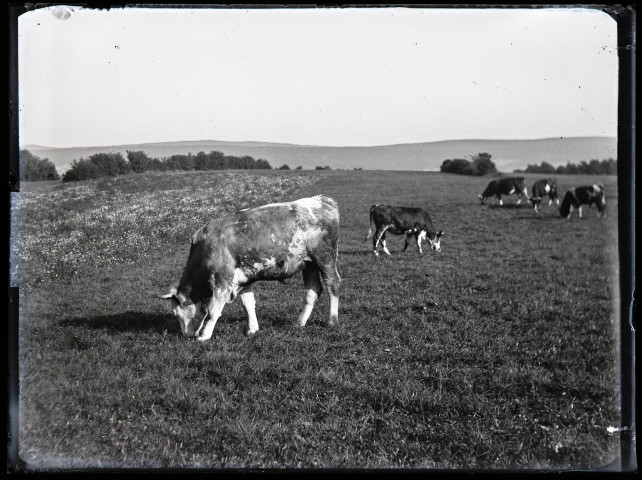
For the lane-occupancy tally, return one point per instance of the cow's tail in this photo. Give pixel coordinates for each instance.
(370, 229)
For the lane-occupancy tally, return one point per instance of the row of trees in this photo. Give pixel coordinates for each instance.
(594, 167)
(480, 164)
(111, 164)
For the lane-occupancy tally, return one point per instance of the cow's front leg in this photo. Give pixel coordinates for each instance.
(407, 242)
(421, 236)
(249, 304)
(499, 197)
(579, 211)
(214, 310)
(312, 283)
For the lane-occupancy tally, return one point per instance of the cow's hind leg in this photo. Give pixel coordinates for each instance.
(380, 236)
(312, 283)
(384, 245)
(332, 280)
(375, 241)
(249, 305)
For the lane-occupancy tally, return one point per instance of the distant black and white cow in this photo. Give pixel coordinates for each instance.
(399, 221)
(505, 186)
(541, 188)
(273, 242)
(585, 195)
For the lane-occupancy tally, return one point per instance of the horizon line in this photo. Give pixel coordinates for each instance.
(24, 147)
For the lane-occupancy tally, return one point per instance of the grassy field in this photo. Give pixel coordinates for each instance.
(499, 352)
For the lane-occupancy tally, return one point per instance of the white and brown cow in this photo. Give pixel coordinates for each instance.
(505, 186)
(542, 188)
(272, 242)
(584, 195)
(399, 221)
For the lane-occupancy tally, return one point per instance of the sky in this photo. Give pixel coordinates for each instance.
(314, 76)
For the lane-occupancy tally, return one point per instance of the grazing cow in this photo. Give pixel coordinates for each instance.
(402, 220)
(585, 195)
(272, 242)
(505, 186)
(541, 188)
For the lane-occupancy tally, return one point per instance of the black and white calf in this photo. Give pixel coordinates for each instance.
(505, 186)
(542, 188)
(399, 221)
(585, 195)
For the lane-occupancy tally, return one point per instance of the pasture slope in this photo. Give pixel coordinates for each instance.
(500, 352)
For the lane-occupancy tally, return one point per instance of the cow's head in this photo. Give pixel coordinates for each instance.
(536, 201)
(435, 241)
(185, 311)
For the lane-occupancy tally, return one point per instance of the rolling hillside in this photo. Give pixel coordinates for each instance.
(508, 155)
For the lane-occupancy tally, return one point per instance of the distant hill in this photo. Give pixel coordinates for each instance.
(508, 155)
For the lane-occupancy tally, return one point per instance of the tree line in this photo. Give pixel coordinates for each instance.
(111, 164)
(594, 167)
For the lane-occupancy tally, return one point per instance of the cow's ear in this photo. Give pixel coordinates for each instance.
(441, 233)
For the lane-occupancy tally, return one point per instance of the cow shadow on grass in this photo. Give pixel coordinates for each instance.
(126, 322)
(165, 323)
(540, 217)
(357, 253)
(509, 206)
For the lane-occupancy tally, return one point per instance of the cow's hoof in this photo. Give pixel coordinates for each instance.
(251, 332)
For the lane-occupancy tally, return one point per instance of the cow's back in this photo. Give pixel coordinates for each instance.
(401, 218)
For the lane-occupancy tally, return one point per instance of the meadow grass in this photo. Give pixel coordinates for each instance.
(500, 352)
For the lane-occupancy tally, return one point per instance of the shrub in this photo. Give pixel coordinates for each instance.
(481, 164)
(140, 162)
(36, 168)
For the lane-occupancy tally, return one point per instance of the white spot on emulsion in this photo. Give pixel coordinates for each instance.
(547, 188)
(63, 12)
(512, 190)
